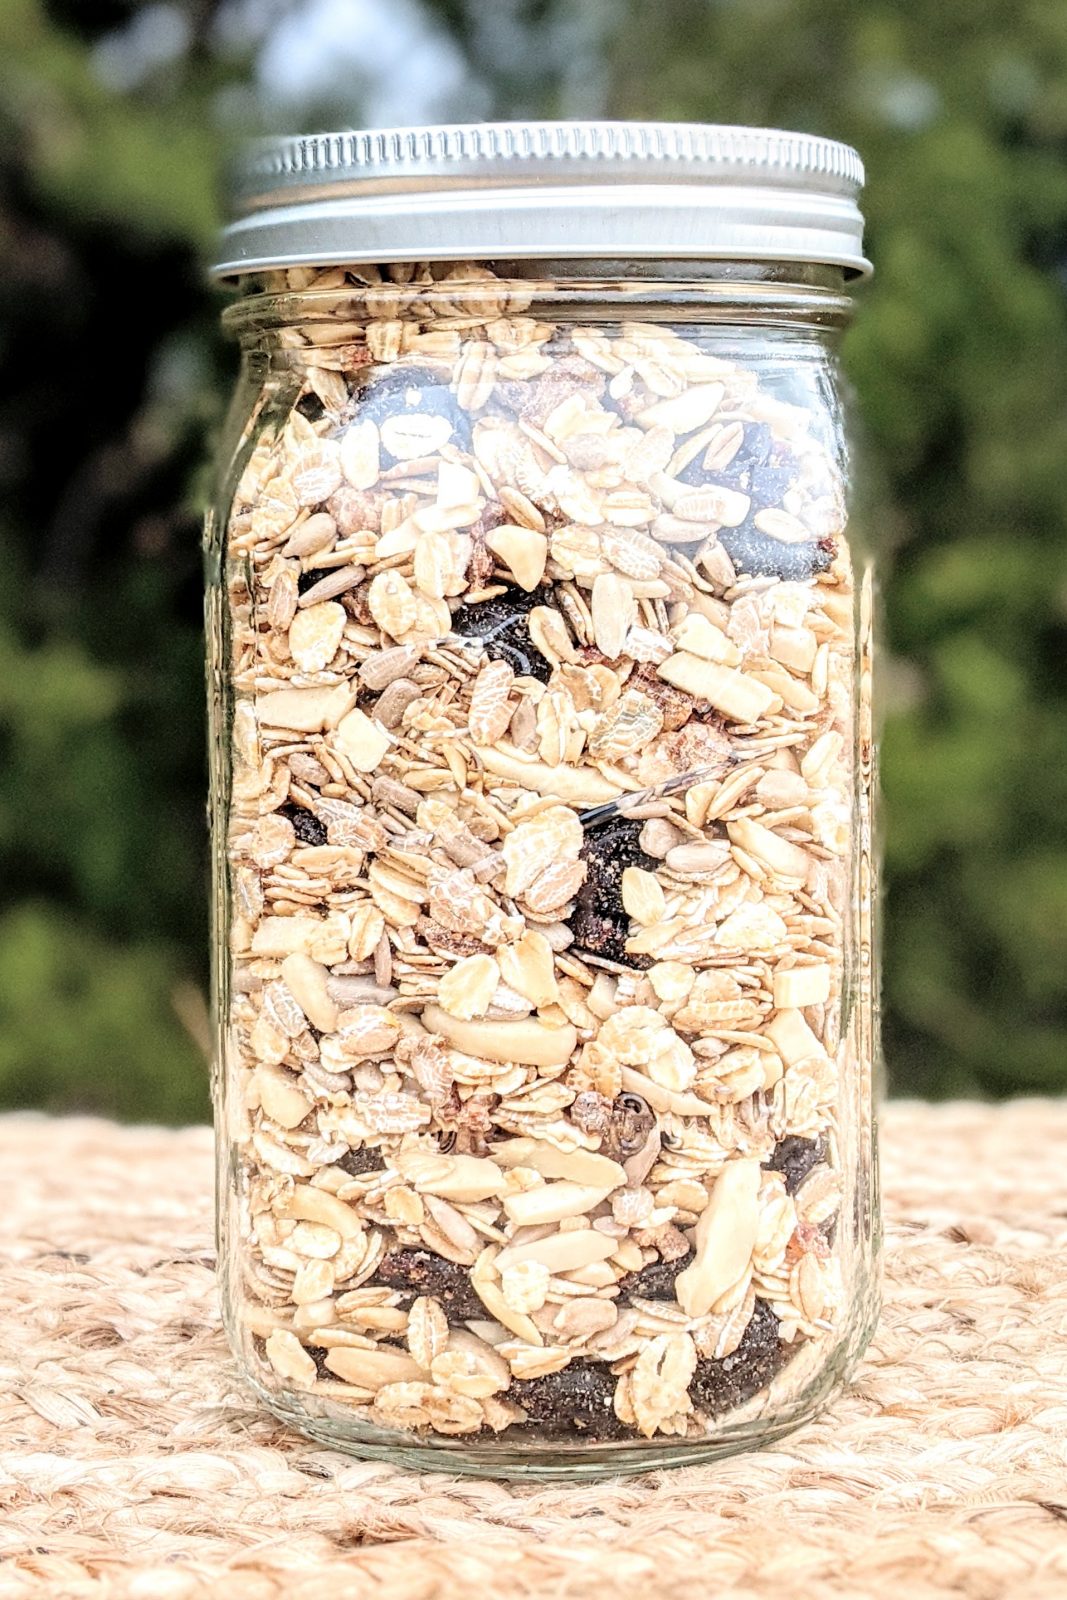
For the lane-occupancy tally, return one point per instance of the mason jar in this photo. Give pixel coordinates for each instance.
(541, 777)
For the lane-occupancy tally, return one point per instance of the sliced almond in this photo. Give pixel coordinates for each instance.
(529, 1041)
(552, 1202)
(735, 694)
(561, 1252)
(725, 1238)
(580, 1166)
(785, 859)
(306, 981)
(304, 710)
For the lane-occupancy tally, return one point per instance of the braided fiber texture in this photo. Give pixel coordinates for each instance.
(132, 1466)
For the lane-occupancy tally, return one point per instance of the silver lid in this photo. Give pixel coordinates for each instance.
(546, 190)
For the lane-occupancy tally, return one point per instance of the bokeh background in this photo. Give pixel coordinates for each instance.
(114, 119)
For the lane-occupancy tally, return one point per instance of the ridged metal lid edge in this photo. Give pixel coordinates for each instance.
(544, 189)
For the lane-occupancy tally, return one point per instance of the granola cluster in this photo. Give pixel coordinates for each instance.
(538, 848)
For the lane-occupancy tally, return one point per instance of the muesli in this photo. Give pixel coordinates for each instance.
(538, 844)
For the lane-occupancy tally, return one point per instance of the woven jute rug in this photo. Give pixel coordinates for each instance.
(132, 1465)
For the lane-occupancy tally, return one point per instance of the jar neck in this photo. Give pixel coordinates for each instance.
(317, 300)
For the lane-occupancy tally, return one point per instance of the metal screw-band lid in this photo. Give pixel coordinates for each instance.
(545, 190)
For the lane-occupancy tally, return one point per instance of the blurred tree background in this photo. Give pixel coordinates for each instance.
(114, 118)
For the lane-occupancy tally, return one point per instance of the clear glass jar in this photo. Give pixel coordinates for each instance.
(541, 796)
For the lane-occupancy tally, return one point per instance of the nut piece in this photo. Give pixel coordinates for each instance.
(700, 637)
(306, 981)
(522, 550)
(725, 1238)
(794, 1040)
(529, 1041)
(737, 696)
(551, 1202)
(280, 1096)
(802, 986)
(363, 740)
(304, 710)
(580, 1166)
(561, 1252)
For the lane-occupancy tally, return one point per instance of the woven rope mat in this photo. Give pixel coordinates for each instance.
(132, 1467)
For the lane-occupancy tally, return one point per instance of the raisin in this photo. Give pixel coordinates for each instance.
(721, 1385)
(533, 399)
(578, 1400)
(311, 407)
(757, 554)
(656, 1281)
(307, 580)
(794, 1158)
(306, 826)
(400, 389)
(502, 623)
(763, 467)
(421, 1272)
(600, 924)
(366, 1158)
(318, 1355)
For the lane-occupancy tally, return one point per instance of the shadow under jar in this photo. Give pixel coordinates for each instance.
(541, 796)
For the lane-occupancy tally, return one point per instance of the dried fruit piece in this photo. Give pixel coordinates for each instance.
(600, 922)
(720, 1386)
(794, 1158)
(502, 624)
(579, 1401)
(423, 1273)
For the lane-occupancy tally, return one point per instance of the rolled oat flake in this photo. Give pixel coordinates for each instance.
(539, 685)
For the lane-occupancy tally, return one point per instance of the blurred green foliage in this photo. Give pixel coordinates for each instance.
(112, 377)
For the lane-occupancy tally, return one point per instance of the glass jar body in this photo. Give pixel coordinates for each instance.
(541, 809)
